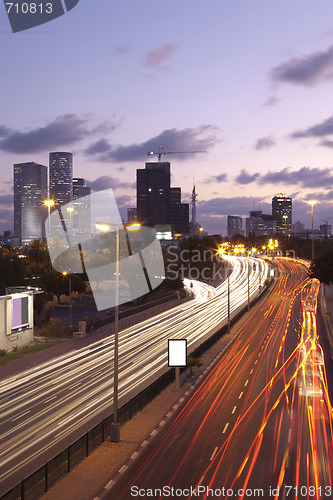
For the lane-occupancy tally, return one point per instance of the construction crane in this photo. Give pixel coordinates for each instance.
(160, 153)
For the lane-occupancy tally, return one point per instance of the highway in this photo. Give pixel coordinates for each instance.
(45, 409)
(260, 424)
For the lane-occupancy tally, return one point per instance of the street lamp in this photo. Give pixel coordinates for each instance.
(248, 281)
(65, 273)
(70, 210)
(312, 202)
(285, 217)
(115, 425)
(49, 204)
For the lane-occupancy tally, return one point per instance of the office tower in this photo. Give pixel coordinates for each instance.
(80, 210)
(80, 188)
(30, 191)
(282, 213)
(157, 202)
(61, 177)
(153, 186)
(234, 225)
(259, 224)
(131, 215)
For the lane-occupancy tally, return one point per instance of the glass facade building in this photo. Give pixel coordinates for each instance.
(61, 177)
(282, 213)
(30, 191)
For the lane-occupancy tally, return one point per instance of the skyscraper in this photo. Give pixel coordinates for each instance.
(234, 225)
(30, 191)
(157, 202)
(81, 211)
(80, 188)
(282, 213)
(61, 177)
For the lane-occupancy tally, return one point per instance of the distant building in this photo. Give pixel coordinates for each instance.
(80, 188)
(157, 202)
(131, 215)
(234, 226)
(61, 177)
(282, 213)
(30, 191)
(259, 224)
(326, 229)
(81, 214)
(298, 229)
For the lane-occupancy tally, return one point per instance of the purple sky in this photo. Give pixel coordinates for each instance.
(248, 82)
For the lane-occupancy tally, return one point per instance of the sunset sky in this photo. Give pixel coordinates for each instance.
(249, 82)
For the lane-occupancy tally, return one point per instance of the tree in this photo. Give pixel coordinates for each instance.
(192, 362)
(11, 269)
(54, 283)
(37, 257)
(322, 267)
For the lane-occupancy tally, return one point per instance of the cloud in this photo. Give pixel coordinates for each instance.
(102, 146)
(7, 200)
(122, 49)
(305, 70)
(272, 101)
(65, 130)
(186, 140)
(265, 143)
(156, 57)
(216, 178)
(328, 144)
(106, 182)
(245, 178)
(306, 177)
(319, 130)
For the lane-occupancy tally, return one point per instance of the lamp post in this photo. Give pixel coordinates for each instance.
(70, 210)
(248, 281)
(49, 204)
(285, 217)
(312, 202)
(115, 425)
(65, 273)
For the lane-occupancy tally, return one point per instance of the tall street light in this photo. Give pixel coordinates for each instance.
(248, 280)
(115, 425)
(65, 273)
(285, 217)
(49, 204)
(312, 202)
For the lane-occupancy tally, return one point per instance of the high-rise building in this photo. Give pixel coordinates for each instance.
(259, 224)
(61, 177)
(131, 215)
(30, 191)
(157, 202)
(80, 215)
(80, 188)
(282, 213)
(234, 225)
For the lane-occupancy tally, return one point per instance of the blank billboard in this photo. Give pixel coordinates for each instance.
(20, 312)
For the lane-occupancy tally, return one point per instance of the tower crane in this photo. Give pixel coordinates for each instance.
(160, 153)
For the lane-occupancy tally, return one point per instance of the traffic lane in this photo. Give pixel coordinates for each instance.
(153, 474)
(197, 433)
(326, 348)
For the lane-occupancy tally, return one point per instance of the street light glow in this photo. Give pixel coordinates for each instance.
(49, 203)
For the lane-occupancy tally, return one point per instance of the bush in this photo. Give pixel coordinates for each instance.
(3, 352)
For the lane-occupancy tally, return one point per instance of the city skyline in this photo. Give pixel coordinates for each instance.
(253, 96)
